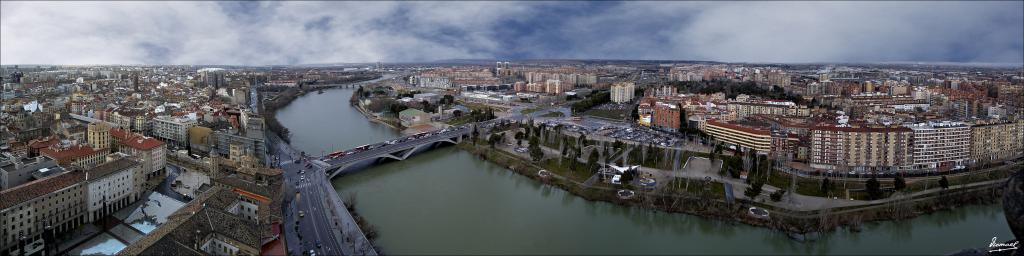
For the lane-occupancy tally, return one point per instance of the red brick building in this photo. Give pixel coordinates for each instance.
(666, 116)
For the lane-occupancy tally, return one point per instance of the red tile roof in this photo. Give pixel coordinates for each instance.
(71, 152)
(133, 140)
(142, 143)
(120, 134)
(35, 189)
(43, 143)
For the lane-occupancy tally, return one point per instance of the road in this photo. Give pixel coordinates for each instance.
(307, 195)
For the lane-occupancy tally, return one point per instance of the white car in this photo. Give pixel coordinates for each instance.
(617, 179)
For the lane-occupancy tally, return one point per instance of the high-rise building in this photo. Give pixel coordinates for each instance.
(940, 145)
(997, 141)
(99, 135)
(860, 148)
(554, 87)
(622, 92)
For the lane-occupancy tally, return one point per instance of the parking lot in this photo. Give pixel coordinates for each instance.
(640, 134)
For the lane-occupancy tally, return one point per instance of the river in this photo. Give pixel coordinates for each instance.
(446, 201)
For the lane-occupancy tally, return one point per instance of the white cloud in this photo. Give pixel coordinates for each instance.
(330, 32)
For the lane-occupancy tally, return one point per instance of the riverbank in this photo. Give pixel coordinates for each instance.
(374, 119)
(799, 225)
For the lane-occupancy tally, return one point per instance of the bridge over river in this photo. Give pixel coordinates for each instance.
(397, 149)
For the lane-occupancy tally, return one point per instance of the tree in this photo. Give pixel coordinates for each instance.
(476, 134)
(494, 139)
(777, 195)
(536, 153)
(427, 107)
(683, 127)
(447, 99)
(943, 182)
(826, 185)
(519, 138)
(874, 188)
(754, 190)
(899, 183)
(592, 161)
(627, 176)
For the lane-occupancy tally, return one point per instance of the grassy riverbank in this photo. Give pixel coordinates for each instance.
(801, 225)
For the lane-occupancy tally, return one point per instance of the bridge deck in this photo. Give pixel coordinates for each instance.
(387, 150)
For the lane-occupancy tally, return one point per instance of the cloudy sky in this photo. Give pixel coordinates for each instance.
(255, 33)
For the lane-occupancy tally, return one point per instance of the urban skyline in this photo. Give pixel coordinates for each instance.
(503, 128)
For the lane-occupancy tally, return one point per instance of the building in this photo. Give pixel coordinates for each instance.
(554, 87)
(940, 145)
(860, 149)
(99, 135)
(747, 108)
(239, 215)
(226, 138)
(201, 139)
(81, 156)
(112, 186)
(663, 91)
(440, 82)
(997, 141)
(666, 115)
(173, 130)
(622, 92)
(778, 78)
(15, 170)
(150, 152)
(57, 201)
(253, 125)
(741, 136)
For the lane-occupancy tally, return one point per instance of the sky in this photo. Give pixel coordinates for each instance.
(302, 32)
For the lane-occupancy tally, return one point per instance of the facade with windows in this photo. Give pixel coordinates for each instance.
(56, 201)
(860, 148)
(940, 146)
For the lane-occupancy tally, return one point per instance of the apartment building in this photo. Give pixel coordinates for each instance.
(994, 142)
(622, 92)
(940, 145)
(860, 149)
(666, 115)
(554, 87)
(767, 107)
(173, 129)
(743, 137)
